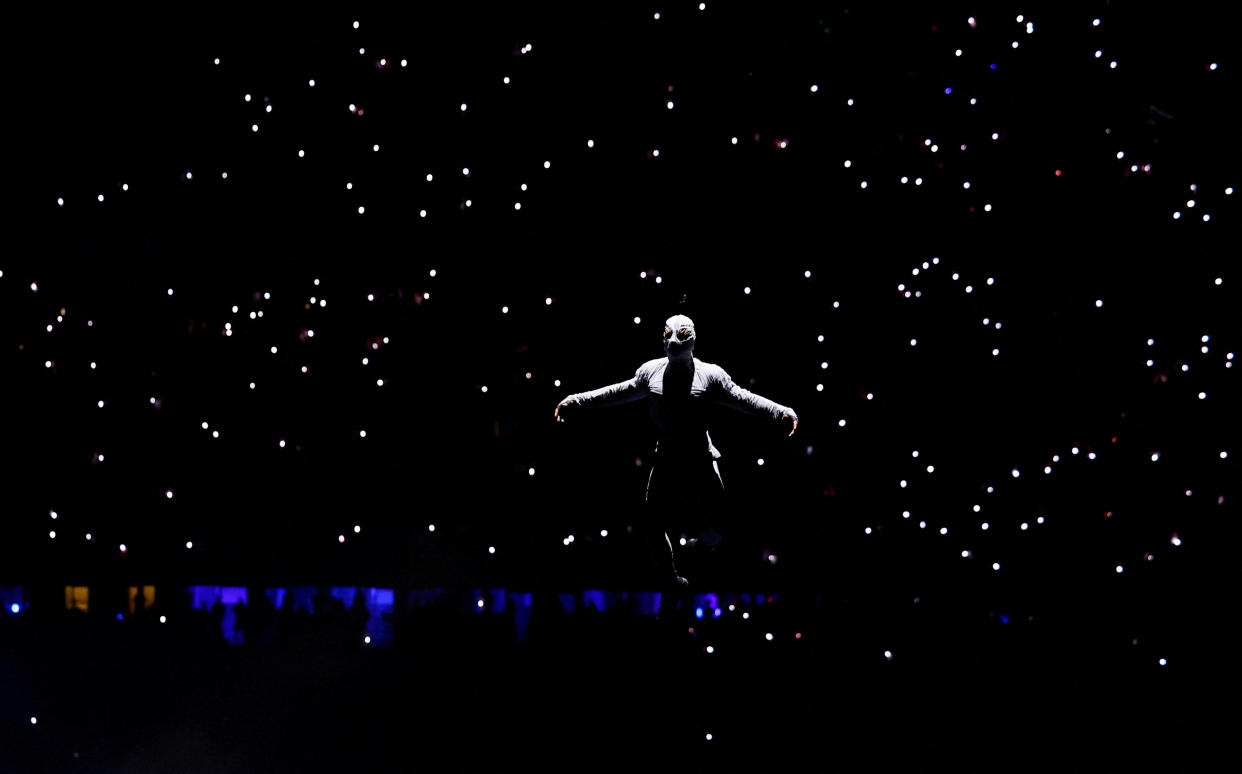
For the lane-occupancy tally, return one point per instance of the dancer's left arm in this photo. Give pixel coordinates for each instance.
(728, 393)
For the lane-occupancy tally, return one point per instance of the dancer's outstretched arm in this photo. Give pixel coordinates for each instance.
(612, 395)
(728, 393)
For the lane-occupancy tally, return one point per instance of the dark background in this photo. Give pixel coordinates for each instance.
(102, 97)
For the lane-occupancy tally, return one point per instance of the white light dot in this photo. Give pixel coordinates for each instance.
(841, 423)
(995, 565)
(1202, 395)
(1015, 472)
(931, 468)
(362, 433)
(547, 165)
(1119, 569)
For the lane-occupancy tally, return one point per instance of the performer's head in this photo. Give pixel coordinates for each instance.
(679, 338)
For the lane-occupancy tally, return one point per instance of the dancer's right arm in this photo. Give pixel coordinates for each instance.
(612, 395)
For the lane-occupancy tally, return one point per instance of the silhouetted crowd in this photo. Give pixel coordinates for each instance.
(447, 618)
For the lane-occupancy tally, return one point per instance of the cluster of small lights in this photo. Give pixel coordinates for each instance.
(944, 150)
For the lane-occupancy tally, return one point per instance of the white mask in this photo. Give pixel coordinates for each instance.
(679, 337)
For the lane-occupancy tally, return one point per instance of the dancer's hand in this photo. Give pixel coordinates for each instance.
(557, 413)
(795, 425)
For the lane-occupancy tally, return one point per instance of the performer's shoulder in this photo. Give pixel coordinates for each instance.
(650, 367)
(711, 369)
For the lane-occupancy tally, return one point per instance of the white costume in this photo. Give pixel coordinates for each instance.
(680, 389)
